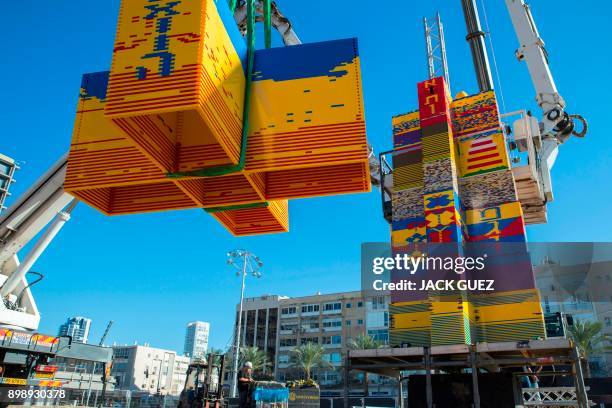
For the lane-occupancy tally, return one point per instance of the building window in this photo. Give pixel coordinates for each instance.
(332, 306)
(608, 321)
(310, 308)
(378, 302)
(349, 305)
(310, 325)
(328, 323)
(359, 304)
(348, 322)
(306, 340)
(360, 322)
(333, 357)
(288, 342)
(288, 310)
(331, 339)
(283, 358)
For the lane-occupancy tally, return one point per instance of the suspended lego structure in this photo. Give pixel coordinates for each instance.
(452, 183)
(163, 129)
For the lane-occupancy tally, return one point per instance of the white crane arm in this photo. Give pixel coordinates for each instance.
(557, 124)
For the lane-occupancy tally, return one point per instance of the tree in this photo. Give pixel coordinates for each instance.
(308, 357)
(589, 340)
(364, 342)
(217, 353)
(257, 357)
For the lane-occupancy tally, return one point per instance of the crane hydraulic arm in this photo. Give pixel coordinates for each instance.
(556, 122)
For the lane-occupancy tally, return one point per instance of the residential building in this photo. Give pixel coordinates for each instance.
(148, 369)
(76, 327)
(260, 325)
(196, 339)
(179, 374)
(330, 320)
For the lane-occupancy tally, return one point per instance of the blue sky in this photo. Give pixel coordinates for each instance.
(153, 273)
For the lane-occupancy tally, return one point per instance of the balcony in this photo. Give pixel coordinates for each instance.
(332, 329)
(332, 346)
(310, 330)
(332, 312)
(289, 315)
(306, 314)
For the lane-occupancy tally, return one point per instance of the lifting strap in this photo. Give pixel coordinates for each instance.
(234, 168)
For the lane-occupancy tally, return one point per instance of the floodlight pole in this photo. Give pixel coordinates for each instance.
(238, 330)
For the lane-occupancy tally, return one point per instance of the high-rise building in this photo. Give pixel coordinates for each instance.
(277, 324)
(149, 369)
(76, 327)
(196, 339)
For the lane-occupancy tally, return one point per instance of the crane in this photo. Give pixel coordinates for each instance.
(556, 125)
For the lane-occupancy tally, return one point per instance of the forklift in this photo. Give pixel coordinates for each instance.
(203, 385)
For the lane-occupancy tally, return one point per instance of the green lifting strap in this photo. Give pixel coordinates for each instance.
(232, 5)
(237, 207)
(234, 168)
(267, 13)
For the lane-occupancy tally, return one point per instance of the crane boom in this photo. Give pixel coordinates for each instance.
(556, 122)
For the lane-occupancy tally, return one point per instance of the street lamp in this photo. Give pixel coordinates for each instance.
(246, 263)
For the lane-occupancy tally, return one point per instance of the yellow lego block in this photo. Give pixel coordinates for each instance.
(177, 82)
(271, 218)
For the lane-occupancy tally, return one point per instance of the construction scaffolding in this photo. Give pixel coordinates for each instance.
(477, 360)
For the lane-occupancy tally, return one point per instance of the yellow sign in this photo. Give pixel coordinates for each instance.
(15, 381)
(44, 375)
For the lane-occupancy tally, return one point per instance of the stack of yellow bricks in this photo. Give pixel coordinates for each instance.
(453, 185)
(171, 108)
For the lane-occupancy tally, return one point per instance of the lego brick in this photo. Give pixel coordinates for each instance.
(434, 102)
(270, 219)
(177, 82)
(508, 316)
(491, 214)
(437, 147)
(100, 153)
(487, 190)
(483, 153)
(475, 113)
(231, 189)
(105, 170)
(317, 181)
(408, 204)
(320, 120)
(408, 231)
(136, 199)
(408, 168)
(438, 176)
(406, 129)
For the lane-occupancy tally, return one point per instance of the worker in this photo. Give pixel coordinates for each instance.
(245, 380)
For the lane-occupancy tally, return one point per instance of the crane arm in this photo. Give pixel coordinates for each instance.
(557, 124)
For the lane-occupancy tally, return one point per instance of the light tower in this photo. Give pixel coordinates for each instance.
(247, 263)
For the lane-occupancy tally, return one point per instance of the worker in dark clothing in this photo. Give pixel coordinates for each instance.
(245, 380)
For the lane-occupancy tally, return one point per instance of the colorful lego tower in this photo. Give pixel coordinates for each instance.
(452, 184)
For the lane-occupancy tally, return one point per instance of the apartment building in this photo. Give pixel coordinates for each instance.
(260, 324)
(330, 320)
(149, 369)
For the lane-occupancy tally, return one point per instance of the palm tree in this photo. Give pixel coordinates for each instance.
(588, 338)
(364, 342)
(217, 353)
(308, 357)
(257, 357)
